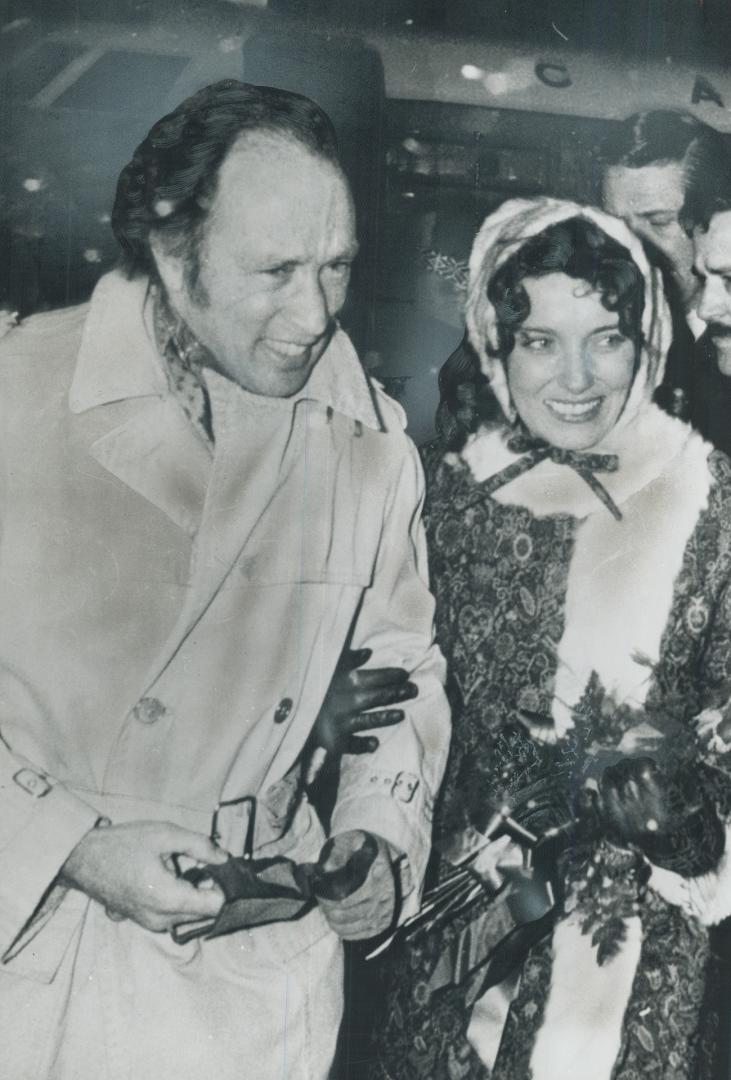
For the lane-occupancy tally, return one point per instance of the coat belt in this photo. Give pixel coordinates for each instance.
(121, 809)
(231, 819)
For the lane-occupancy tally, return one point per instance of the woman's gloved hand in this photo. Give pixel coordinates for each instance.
(668, 817)
(346, 711)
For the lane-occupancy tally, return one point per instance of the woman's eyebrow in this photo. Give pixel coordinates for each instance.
(552, 330)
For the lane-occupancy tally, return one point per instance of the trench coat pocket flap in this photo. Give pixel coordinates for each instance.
(278, 564)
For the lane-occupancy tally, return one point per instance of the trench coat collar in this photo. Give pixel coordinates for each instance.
(118, 359)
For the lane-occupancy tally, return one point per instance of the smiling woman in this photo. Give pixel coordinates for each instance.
(580, 552)
(570, 370)
(568, 306)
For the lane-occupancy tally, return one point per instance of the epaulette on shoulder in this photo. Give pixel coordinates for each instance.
(390, 411)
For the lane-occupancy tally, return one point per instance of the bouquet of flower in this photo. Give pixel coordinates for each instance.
(573, 828)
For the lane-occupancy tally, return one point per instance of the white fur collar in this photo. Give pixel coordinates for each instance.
(646, 447)
(621, 582)
(622, 575)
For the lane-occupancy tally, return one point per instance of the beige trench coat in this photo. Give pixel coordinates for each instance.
(172, 616)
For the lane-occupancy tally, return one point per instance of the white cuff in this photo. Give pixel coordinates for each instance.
(707, 897)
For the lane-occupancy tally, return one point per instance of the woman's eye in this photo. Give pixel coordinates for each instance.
(611, 341)
(536, 344)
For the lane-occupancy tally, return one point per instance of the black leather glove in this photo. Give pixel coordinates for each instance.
(259, 891)
(353, 693)
(668, 817)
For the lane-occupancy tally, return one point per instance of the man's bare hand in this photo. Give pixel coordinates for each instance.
(370, 909)
(130, 870)
(352, 693)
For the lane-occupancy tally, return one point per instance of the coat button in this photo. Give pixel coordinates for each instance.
(148, 710)
(283, 709)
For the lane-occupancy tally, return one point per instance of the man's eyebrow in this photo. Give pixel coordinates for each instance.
(276, 259)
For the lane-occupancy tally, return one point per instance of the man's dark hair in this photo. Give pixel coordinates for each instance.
(705, 201)
(657, 137)
(167, 186)
(710, 194)
(664, 136)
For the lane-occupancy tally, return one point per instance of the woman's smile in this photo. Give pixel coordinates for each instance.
(571, 367)
(575, 412)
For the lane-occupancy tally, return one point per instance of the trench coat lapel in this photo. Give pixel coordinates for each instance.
(154, 449)
(260, 442)
(158, 454)
(252, 461)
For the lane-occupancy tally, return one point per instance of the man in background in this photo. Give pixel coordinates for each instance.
(205, 501)
(707, 215)
(650, 163)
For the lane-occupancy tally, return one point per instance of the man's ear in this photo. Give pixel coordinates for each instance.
(170, 267)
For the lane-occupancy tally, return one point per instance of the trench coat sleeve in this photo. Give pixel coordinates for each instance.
(40, 824)
(391, 792)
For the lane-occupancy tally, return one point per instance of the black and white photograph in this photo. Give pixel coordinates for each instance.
(365, 540)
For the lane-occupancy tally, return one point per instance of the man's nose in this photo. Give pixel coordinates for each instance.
(576, 371)
(714, 304)
(308, 308)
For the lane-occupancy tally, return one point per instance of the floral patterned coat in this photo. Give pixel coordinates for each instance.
(541, 594)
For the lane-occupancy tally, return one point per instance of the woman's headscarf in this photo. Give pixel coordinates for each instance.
(502, 234)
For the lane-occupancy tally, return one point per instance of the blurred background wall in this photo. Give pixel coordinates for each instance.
(444, 109)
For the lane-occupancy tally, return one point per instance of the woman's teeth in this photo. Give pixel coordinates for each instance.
(574, 410)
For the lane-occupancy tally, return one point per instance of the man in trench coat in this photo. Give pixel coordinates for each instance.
(204, 500)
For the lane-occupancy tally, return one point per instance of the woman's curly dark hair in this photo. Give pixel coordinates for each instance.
(167, 186)
(576, 247)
